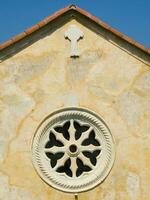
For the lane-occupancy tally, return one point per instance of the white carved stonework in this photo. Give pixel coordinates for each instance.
(73, 150)
(73, 34)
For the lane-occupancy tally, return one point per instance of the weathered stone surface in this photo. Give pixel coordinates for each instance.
(133, 185)
(42, 78)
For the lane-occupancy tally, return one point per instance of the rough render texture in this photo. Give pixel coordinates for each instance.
(42, 78)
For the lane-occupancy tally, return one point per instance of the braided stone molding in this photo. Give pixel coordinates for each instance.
(73, 150)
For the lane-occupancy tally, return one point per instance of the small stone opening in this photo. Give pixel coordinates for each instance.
(73, 148)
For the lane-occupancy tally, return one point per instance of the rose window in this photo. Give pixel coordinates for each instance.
(73, 150)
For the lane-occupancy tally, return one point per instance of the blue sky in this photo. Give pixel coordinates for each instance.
(132, 17)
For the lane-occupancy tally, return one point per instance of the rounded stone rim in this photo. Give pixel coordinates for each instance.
(60, 186)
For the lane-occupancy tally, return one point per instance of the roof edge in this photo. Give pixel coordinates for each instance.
(52, 17)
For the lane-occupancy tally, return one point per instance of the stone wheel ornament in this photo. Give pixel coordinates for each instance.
(73, 150)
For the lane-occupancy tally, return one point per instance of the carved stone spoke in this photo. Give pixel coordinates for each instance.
(86, 161)
(73, 166)
(72, 132)
(90, 148)
(55, 149)
(84, 136)
(62, 161)
(60, 137)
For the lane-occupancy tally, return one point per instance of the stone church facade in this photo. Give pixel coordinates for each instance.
(74, 112)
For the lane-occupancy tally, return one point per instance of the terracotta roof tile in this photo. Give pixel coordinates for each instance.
(18, 37)
(32, 29)
(6, 44)
(59, 13)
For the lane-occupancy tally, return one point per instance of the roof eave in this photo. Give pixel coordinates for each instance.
(50, 18)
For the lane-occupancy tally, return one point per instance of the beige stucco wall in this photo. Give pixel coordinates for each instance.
(106, 79)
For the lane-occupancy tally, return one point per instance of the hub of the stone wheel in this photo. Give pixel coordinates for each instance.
(73, 150)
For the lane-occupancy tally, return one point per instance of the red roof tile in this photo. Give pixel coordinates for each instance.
(59, 13)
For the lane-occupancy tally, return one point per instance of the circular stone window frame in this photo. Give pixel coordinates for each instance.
(73, 185)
